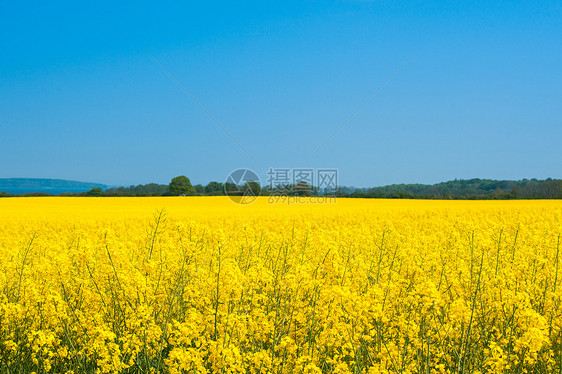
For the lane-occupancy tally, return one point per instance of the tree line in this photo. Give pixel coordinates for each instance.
(476, 189)
(480, 189)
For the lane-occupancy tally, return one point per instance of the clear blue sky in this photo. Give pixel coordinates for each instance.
(82, 99)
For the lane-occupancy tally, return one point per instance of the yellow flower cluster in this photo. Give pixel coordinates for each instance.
(201, 285)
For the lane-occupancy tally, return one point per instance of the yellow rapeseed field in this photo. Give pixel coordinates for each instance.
(202, 285)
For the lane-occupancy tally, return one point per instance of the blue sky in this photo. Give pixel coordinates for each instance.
(81, 97)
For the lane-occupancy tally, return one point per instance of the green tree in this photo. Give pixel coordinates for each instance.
(96, 192)
(214, 188)
(180, 186)
(302, 189)
(230, 188)
(252, 188)
(199, 189)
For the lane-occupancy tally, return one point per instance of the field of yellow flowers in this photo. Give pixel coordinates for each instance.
(202, 285)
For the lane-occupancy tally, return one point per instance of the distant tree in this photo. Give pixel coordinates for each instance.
(302, 189)
(214, 188)
(180, 186)
(550, 189)
(230, 188)
(252, 188)
(199, 189)
(36, 194)
(151, 189)
(3, 194)
(94, 192)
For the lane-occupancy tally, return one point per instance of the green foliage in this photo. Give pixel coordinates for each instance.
(214, 188)
(465, 189)
(252, 188)
(230, 187)
(151, 189)
(94, 192)
(302, 189)
(180, 186)
(457, 189)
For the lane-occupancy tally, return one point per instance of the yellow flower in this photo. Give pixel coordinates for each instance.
(370, 286)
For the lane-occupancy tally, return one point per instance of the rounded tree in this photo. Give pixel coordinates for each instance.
(180, 186)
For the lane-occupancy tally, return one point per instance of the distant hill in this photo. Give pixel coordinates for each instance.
(50, 186)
